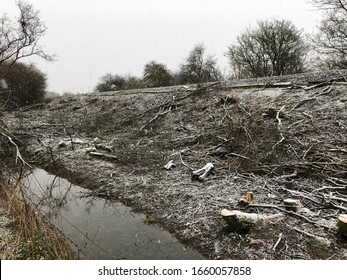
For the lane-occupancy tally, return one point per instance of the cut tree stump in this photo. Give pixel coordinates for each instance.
(240, 221)
(342, 224)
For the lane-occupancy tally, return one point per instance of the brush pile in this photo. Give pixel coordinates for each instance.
(283, 139)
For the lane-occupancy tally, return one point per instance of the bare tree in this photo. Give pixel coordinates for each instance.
(331, 39)
(199, 68)
(20, 38)
(247, 58)
(275, 47)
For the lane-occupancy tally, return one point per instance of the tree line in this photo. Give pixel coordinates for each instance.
(197, 68)
(272, 47)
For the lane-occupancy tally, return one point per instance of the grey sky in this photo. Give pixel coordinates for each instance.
(93, 37)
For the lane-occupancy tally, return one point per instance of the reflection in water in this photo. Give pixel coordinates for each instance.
(101, 229)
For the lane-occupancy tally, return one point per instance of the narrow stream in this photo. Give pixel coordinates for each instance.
(101, 229)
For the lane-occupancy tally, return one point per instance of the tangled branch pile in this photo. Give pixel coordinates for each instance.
(307, 136)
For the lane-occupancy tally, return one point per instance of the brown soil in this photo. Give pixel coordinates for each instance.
(278, 141)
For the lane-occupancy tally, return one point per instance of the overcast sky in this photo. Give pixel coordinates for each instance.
(94, 37)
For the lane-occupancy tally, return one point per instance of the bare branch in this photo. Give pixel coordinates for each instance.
(331, 40)
(19, 39)
(18, 154)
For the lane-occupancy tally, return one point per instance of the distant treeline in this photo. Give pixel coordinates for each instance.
(272, 47)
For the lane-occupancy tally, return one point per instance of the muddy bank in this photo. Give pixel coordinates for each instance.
(280, 142)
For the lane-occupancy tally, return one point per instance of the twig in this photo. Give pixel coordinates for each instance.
(313, 164)
(278, 241)
(103, 156)
(319, 238)
(29, 107)
(293, 124)
(309, 149)
(69, 134)
(160, 113)
(279, 142)
(326, 90)
(240, 156)
(49, 125)
(219, 145)
(307, 115)
(18, 155)
(191, 92)
(7, 100)
(297, 193)
(338, 150)
(339, 183)
(289, 213)
(180, 154)
(300, 103)
(329, 188)
(288, 176)
(338, 198)
(278, 116)
(342, 75)
(318, 85)
(279, 128)
(338, 207)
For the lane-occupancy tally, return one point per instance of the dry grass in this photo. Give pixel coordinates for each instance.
(31, 236)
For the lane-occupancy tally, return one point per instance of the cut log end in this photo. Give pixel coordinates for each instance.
(238, 221)
(342, 224)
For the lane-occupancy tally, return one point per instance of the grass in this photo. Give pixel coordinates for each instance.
(31, 236)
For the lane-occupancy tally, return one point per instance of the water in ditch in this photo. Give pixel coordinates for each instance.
(101, 229)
